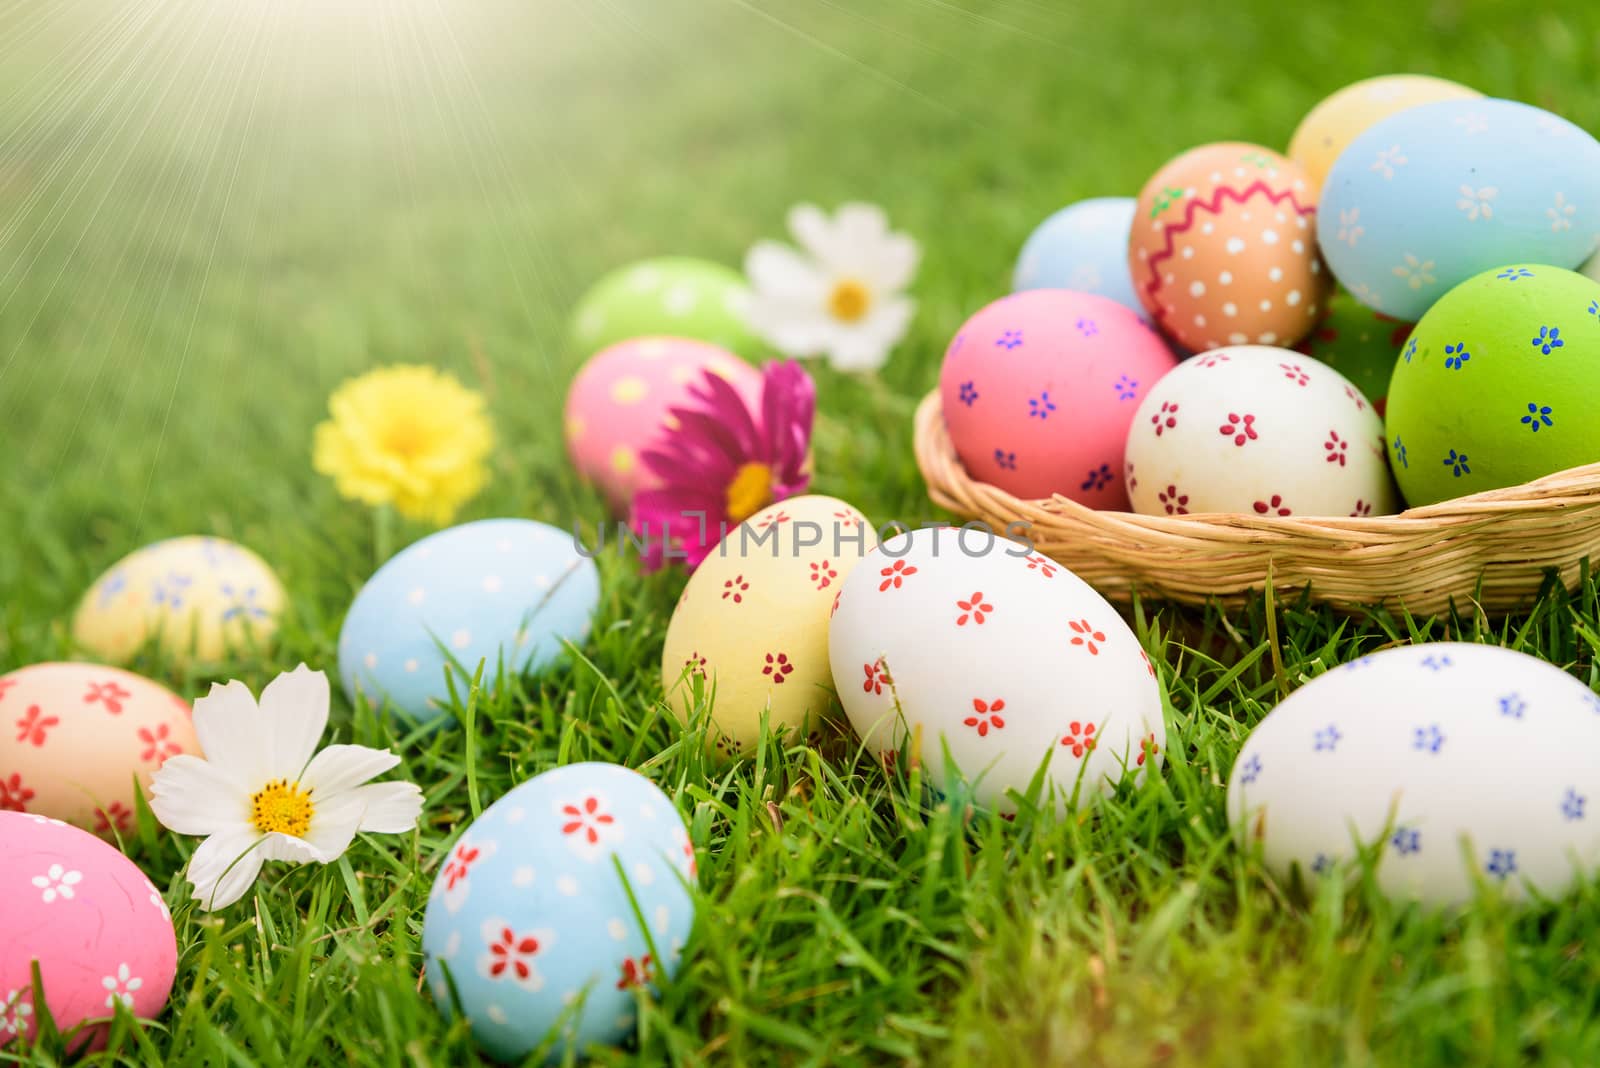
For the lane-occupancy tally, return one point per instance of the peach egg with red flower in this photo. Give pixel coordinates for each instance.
(1223, 249)
(748, 641)
(986, 661)
(79, 741)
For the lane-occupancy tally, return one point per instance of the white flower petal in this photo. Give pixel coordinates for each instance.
(295, 707)
(333, 827)
(310, 849)
(800, 335)
(339, 768)
(858, 352)
(389, 807)
(858, 225)
(891, 265)
(233, 734)
(224, 866)
(811, 227)
(779, 272)
(193, 796)
(866, 346)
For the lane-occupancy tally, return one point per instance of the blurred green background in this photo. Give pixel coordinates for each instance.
(213, 211)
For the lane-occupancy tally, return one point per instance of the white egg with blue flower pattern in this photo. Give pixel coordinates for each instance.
(1435, 194)
(530, 912)
(1084, 247)
(1459, 764)
(493, 590)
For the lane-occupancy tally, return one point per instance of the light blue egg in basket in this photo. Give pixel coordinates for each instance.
(1083, 247)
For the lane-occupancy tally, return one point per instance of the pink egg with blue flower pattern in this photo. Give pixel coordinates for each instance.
(99, 930)
(1039, 389)
(619, 402)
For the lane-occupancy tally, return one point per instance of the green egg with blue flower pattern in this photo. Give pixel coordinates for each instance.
(671, 296)
(1496, 385)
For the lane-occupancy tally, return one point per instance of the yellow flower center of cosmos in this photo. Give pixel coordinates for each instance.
(750, 491)
(849, 300)
(282, 807)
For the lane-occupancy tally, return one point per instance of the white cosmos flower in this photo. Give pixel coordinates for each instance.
(842, 296)
(264, 792)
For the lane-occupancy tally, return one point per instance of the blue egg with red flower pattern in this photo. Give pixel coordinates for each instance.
(562, 905)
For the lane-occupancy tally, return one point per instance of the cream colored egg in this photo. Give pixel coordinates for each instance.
(749, 636)
(1328, 128)
(198, 597)
(77, 737)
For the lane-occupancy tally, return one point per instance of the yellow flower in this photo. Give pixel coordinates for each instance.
(413, 437)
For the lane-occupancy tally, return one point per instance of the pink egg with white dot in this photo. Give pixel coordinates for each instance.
(98, 929)
(621, 400)
(1039, 389)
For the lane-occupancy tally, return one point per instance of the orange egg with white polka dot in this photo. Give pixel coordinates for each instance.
(622, 399)
(1223, 249)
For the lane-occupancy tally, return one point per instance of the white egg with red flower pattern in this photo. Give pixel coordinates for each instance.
(998, 657)
(1258, 430)
(749, 636)
(84, 739)
(98, 929)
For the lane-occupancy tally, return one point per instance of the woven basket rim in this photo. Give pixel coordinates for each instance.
(1574, 485)
(1493, 549)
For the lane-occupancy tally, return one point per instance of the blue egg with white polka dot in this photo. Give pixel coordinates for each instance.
(1083, 247)
(493, 591)
(559, 910)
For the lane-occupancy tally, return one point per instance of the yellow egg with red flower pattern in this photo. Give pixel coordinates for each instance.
(749, 636)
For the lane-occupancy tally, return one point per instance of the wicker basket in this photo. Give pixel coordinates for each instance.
(1492, 549)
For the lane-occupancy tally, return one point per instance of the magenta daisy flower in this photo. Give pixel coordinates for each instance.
(723, 463)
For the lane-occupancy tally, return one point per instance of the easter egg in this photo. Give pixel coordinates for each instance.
(1258, 430)
(83, 739)
(1431, 196)
(199, 598)
(98, 929)
(1360, 344)
(979, 648)
(497, 590)
(530, 910)
(674, 296)
(749, 636)
(1496, 386)
(1038, 389)
(619, 403)
(1082, 247)
(1459, 764)
(1329, 127)
(1223, 249)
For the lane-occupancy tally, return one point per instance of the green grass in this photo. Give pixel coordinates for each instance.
(211, 213)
